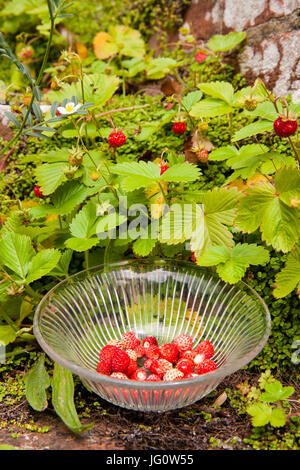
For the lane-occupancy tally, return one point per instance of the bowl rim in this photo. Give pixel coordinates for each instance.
(87, 374)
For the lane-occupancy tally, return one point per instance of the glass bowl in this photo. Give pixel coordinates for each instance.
(152, 298)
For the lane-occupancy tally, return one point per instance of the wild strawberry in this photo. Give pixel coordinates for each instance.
(152, 353)
(119, 375)
(206, 348)
(104, 366)
(115, 342)
(285, 127)
(202, 156)
(140, 351)
(163, 168)
(250, 104)
(37, 191)
(147, 363)
(183, 342)
(120, 361)
(116, 139)
(193, 257)
(139, 375)
(191, 375)
(160, 366)
(132, 354)
(131, 368)
(179, 128)
(206, 366)
(153, 378)
(129, 340)
(186, 366)
(108, 351)
(201, 57)
(169, 351)
(173, 374)
(190, 354)
(149, 341)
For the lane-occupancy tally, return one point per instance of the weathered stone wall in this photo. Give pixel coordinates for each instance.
(272, 51)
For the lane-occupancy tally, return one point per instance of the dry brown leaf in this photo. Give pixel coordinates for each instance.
(220, 400)
(170, 87)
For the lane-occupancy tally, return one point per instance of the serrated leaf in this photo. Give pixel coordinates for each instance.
(83, 224)
(16, 253)
(288, 278)
(143, 247)
(137, 175)
(181, 173)
(180, 223)
(109, 222)
(81, 244)
(223, 153)
(210, 108)
(275, 392)
(191, 98)
(62, 267)
(159, 67)
(42, 263)
(128, 40)
(7, 334)
(63, 399)
(49, 176)
(36, 383)
(278, 418)
(261, 413)
(222, 43)
(220, 90)
(258, 127)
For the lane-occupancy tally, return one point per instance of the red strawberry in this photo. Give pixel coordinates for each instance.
(191, 375)
(139, 375)
(147, 363)
(115, 342)
(206, 366)
(285, 127)
(163, 168)
(153, 378)
(152, 352)
(108, 351)
(149, 341)
(120, 361)
(206, 348)
(160, 366)
(193, 257)
(173, 374)
(131, 368)
(116, 139)
(190, 354)
(183, 342)
(169, 351)
(58, 113)
(179, 128)
(140, 351)
(132, 354)
(129, 340)
(186, 366)
(104, 366)
(37, 191)
(201, 57)
(119, 375)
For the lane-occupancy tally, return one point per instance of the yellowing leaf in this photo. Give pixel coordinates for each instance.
(104, 45)
(81, 50)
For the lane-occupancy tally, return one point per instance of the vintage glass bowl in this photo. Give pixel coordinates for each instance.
(152, 298)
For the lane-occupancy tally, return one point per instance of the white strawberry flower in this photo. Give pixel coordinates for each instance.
(69, 108)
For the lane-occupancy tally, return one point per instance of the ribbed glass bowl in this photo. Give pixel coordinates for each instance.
(152, 298)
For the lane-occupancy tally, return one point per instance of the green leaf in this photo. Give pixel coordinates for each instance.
(210, 108)
(49, 176)
(81, 244)
(191, 98)
(232, 264)
(62, 267)
(16, 253)
(137, 174)
(83, 224)
(180, 223)
(181, 173)
(129, 41)
(220, 90)
(143, 247)
(159, 67)
(63, 399)
(263, 208)
(42, 263)
(275, 392)
(36, 383)
(288, 278)
(110, 221)
(222, 43)
(257, 127)
(223, 153)
(278, 418)
(266, 111)
(68, 196)
(7, 334)
(261, 413)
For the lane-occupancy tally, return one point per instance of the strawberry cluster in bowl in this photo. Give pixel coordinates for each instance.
(131, 359)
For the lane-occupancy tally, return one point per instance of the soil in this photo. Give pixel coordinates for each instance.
(120, 429)
(5, 132)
